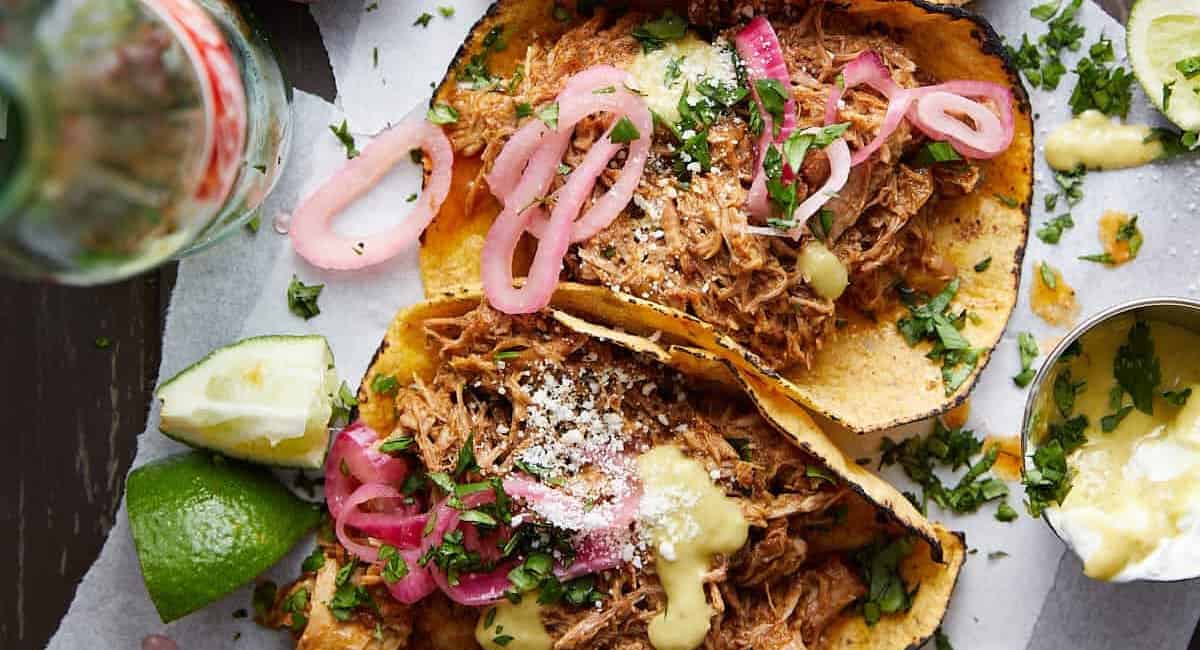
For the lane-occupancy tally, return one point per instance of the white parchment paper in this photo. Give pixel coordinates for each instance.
(1036, 598)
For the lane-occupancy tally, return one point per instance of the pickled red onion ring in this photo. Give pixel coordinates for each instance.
(363, 494)
(354, 447)
(993, 131)
(311, 232)
(615, 515)
(759, 49)
(929, 108)
(520, 200)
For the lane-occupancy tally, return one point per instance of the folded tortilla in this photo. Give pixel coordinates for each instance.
(856, 369)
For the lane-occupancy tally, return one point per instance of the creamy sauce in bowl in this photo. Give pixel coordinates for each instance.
(1133, 507)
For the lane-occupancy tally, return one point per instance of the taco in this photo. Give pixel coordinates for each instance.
(543, 480)
(688, 198)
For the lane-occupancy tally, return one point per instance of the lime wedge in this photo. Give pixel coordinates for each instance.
(265, 399)
(1163, 37)
(204, 525)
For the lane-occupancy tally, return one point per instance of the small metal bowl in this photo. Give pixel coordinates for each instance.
(1182, 312)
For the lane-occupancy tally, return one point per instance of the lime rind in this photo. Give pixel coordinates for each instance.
(1159, 34)
(265, 399)
(203, 526)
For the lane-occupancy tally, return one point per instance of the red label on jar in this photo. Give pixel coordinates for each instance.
(224, 94)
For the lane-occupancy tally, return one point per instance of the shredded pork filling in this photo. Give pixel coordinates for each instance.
(682, 243)
(578, 409)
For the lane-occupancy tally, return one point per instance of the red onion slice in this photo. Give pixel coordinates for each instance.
(930, 108)
(363, 494)
(354, 447)
(311, 230)
(759, 49)
(576, 102)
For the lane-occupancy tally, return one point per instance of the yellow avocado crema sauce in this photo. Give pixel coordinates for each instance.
(1096, 142)
(662, 75)
(1133, 511)
(508, 626)
(687, 520)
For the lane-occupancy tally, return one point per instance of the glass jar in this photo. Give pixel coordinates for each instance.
(131, 132)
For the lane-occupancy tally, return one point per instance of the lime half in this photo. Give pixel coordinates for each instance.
(204, 525)
(1163, 37)
(266, 399)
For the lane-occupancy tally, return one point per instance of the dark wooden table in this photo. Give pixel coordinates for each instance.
(74, 410)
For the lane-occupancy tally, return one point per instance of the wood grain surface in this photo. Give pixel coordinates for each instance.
(73, 410)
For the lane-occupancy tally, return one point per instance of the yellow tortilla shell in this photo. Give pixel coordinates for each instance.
(938, 556)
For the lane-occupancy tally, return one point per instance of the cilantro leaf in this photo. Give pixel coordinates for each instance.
(1051, 231)
(302, 298)
(624, 131)
(442, 114)
(1137, 369)
(342, 133)
(654, 34)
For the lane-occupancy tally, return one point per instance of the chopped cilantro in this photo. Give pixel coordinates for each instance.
(624, 131)
(314, 561)
(1005, 513)
(394, 566)
(953, 448)
(475, 73)
(344, 401)
(102, 342)
(385, 384)
(548, 114)
(673, 72)
(1109, 422)
(410, 198)
(396, 445)
(1177, 397)
(1136, 367)
(423, 19)
(886, 593)
(506, 355)
(1072, 184)
(933, 322)
(997, 555)
(1028, 348)
(1108, 89)
(1050, 201)
(654, 34)
(263, 599)
(342, 132)
(296, 604)
(524, 110)
(1189, 67)
(1065, 390)
(774, 96)
(466, 457)
(1051, 231)
(347, 598)
(442, 114)
(1129, 232)
(937, 152)
(983, 264)
(742, 446)
(1102, 258)
(446, 11)
(1044, 12)
(1008, 200)
(1048, 277)
(302, 298)
(941, 641)
(254, 223)
(819, 473)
